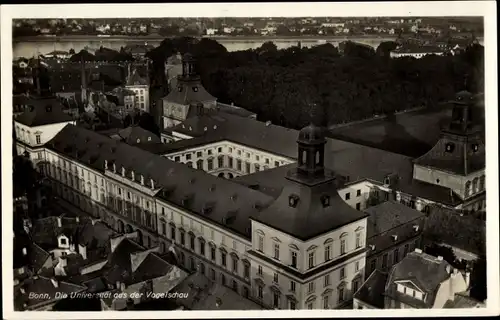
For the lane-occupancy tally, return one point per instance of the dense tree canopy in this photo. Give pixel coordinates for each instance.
(279, 84)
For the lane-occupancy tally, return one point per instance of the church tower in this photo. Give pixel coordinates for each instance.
(321, 233)
(457, 160)
(177, 105)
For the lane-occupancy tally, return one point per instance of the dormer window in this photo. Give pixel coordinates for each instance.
(475, 148)
(449, 147)
(415, 228)
(394, 237)
(293, 200)
(195, 89)
(138, 140)
(372, 247)
(325, 201)
(179, 89)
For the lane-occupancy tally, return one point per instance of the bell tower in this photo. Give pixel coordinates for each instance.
(189, 71)
(311, 148)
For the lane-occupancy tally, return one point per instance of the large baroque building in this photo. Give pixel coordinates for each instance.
(177, 105)
(275, 214)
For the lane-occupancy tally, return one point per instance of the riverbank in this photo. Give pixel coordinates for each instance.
(217, 38)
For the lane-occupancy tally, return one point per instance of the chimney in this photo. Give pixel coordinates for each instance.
(152, 184)
(55, 283)
(82, 249)
(448, 269)
(467, 279)
(59, 222)
(439, 258)
(77, 219)
(418, 250)
(25, 251)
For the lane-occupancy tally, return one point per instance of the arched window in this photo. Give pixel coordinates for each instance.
(475, 185)
(467, 188)
(481, 183)
(220, 162)
(199, 164)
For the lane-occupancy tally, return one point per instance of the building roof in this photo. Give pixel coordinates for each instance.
(451, 227)
(354, 161)
(134, 79)
(188, 92)
(462, 301)
(204, 294)
(371, 292)
(309, 217)
(43, 111)
(423, 270)
(93, 234)
(182, 186)
(41, 286)
(235, 110)
(137, 135)
(389, 215)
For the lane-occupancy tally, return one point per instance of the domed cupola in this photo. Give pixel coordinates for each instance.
(311, 148)
(311, 134)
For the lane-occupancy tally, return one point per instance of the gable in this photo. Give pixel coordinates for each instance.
(409, 284)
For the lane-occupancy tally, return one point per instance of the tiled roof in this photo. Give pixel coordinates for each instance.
(188, 92)
(203, 294)
(46, 230)
(137, 135)
(38, 257)
(179, 181)
(41, 286)
(464, 232)
(372, 291)
(392, 219)
(309, 218)
(426, 271)
(461, 161)
(389, 215)
(43, 111)
(433, 192)
(462, 301)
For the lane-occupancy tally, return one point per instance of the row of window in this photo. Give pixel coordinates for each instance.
(391, 258)
(198, 245)
(327, 253)
(199, 154)
(25, 136)
(477, 185)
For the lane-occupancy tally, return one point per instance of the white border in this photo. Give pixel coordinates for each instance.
(487, 9)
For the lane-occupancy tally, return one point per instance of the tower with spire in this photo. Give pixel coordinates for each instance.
(457, 160)
(313, 218)
(177, 105)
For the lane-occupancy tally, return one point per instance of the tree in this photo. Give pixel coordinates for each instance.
(478, 279)
(384, 48)
(71, 51)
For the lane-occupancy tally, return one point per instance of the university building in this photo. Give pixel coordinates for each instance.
(275, 214)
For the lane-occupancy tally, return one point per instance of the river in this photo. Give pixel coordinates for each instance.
(32, 47)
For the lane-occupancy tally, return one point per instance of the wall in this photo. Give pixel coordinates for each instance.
(256, 159)
(287, 244)
(455, 182)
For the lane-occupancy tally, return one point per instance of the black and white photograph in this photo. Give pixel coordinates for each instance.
(183, 160)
